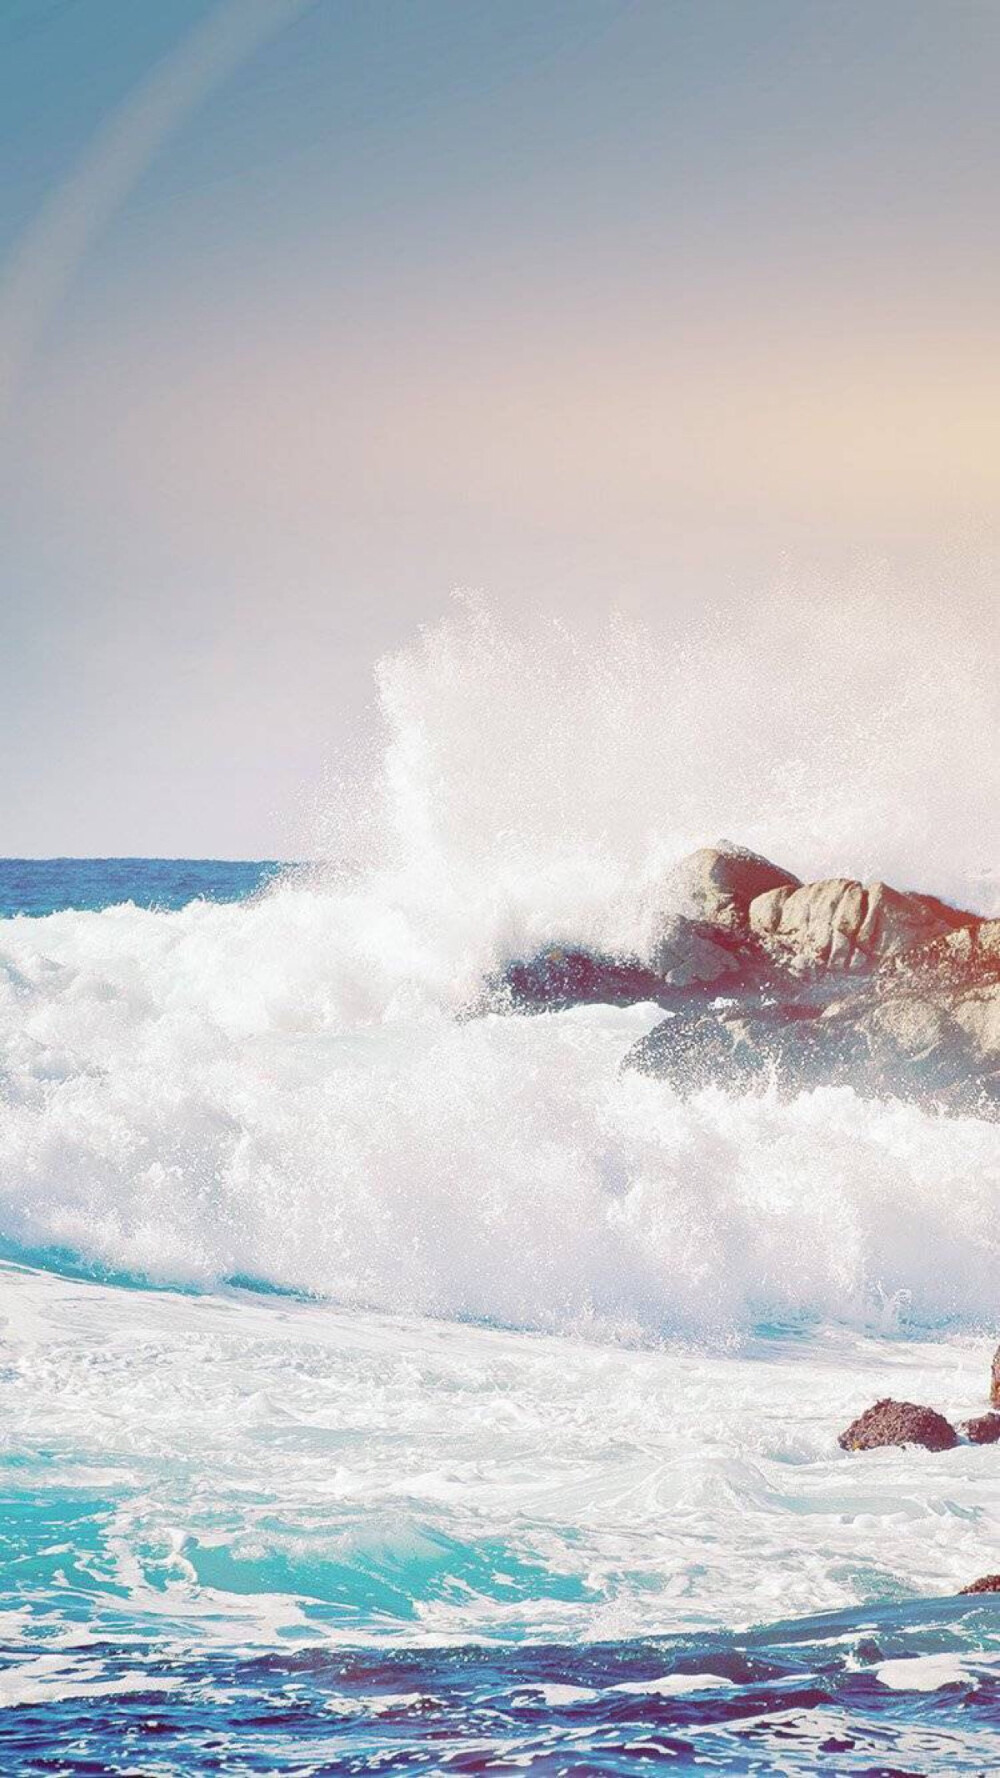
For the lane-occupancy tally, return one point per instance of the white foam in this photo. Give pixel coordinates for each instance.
(676, 1685)
(922, 1673)
(281, 1090)
(52, 1679)
(246, 1471)
(231, 1091)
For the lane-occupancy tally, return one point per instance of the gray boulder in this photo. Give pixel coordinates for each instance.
(906, 1043)
(692, 953)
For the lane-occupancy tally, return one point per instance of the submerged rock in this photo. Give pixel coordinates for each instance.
(990, 1583)
(899, 1423)
(983, 1430)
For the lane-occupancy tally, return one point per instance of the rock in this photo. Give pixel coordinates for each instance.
(931, 1046)
(990, 1583)
(772, 984)
(988, 939)
(716, 885)
(841, 924)
(899, 1423)
(977, 1014)
(995, 1379)
(900, 1045)
(559, 977)
(969, 955)
(690, 953)
(746, 1048)
(983, 1430)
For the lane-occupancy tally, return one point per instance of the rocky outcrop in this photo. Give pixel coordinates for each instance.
(768, 983)
(983, 1430)
(718, 884)
(690, 954)
(990, 1583)
(560, 977)
(907, 1044)
(845, 925)
(899, 1423)
(995, 1379)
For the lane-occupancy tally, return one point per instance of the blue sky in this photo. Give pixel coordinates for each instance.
(586, 304)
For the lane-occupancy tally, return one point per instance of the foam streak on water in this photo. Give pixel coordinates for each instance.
(232, 1510)
(266, 1470)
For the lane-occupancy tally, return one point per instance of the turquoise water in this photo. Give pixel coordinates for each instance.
(381, 1392)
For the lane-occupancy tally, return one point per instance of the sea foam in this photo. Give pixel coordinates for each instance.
(284, 1089)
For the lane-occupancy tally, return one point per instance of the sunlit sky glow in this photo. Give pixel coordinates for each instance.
(307, 319)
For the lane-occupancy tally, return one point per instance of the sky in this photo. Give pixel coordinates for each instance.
(313, 311)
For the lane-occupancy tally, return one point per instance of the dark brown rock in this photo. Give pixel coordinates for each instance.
(995, 1379)
(899, 1423)
(983, 1430)
(990, 1583)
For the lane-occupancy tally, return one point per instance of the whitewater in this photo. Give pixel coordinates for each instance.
(411, 1385)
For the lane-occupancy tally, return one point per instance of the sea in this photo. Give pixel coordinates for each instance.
(385, 1387)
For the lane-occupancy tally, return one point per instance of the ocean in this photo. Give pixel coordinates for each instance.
(384, 1390)
(389, 1387)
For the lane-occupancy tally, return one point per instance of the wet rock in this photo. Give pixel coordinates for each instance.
(746, 1048)
(717, 884)
(990, 1583)
(772, 984)
(841, 924)
(901, 1045)
(560, 977)
(933, 1045)
(691, 953)
(983, 1430)
(899, 1423)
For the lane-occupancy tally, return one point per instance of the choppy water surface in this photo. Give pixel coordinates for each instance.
(857, 1695)
(36, 886)
(251, 1533)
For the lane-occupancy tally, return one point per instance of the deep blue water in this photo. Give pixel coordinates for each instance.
(799, 1698)
(50, 885)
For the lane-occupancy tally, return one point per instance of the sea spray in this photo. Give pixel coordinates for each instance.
(283, 1090)
(237, 1091)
